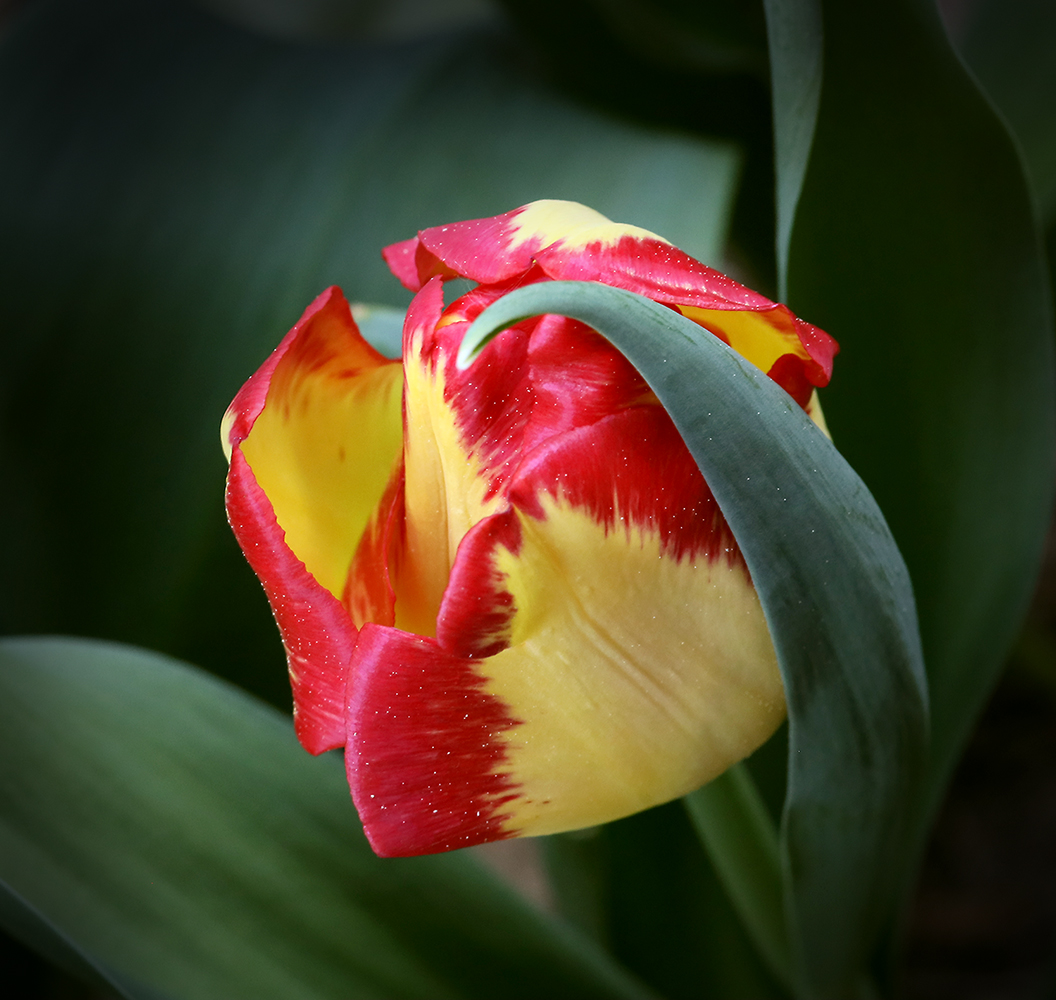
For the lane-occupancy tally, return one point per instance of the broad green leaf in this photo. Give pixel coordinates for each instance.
(173, 193)
(914, 245)
(836, 596)
(171, 827)
(26, 923)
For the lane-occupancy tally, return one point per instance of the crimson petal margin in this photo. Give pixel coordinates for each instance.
(424, 759)
(290, 479)
(316, 631)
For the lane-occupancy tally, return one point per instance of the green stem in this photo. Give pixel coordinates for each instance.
(739, 836)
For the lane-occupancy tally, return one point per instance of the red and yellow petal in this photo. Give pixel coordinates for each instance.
(316, 631)
(775, 342)
(567, 241)
(490, 251)
(369, 593)
(639, 677)
(425, 758)
(313, 439)
(463, 435)
(631, 660)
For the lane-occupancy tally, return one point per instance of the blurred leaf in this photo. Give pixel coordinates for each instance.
(171, 827)
(698, 65)
(699, 36)
(382, 326)
(23, 921)
(1010, 46)
(914, 245)
(645, 889)
(732, 821)
(174, 192)
(837, 599)
(796, 41)
(329, 20)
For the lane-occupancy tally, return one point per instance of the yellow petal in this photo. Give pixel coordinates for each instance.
(638, 677)
(325, 444)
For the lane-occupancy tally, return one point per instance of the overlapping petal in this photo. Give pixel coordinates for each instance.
(512, 598)
(611, 636)
(566, 241)
(313, 438)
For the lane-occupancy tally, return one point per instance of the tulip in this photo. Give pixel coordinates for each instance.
(508, 592)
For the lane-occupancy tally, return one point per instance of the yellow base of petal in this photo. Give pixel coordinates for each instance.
(638, 678)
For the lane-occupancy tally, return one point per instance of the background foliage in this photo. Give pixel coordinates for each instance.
(178, 181)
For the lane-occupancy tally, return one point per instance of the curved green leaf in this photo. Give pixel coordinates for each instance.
(173, 193)
(23, 921)
(171, 827)
(1009, 45)
(915, 246)
(837, 598)
(733, 823)
(645, 887)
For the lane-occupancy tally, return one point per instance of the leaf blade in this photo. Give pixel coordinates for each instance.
(733, 824)
(192, 848)
(915, 245)
(836, 595)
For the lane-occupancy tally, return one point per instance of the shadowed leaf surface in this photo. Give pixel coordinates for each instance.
(171, 826)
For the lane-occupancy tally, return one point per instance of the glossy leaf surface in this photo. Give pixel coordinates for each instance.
(171, 826)
(836, 596)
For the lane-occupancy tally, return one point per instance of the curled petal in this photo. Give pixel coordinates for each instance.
(414, 265)
(567, 241)
(477, 612)
(369, 592)
(794, 354)
(463, 433)
(644, 263)
(490, 250)
(316, 632)
(313, 438)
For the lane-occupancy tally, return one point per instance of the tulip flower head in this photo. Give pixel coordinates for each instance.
(508, 592)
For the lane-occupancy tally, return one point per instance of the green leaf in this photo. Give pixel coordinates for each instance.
(170, 826)
(174, 192)
(26, 923)
(647, 890)
(836, 596)
(915, 246)
(382, 326)
(1009, 44)
(795, 34)
(732, 821)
